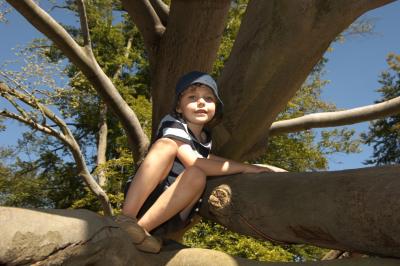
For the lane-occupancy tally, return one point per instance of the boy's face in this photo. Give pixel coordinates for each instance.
(197, 104)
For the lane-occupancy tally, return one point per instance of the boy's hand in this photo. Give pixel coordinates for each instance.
(254, 169)
(259, 168)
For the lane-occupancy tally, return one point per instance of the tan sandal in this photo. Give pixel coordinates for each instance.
(138, 235)
(150, 244)
(130, 226)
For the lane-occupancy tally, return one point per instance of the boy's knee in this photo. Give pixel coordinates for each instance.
(196, 175)
(166, 146)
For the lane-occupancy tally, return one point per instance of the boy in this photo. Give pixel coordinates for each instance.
(166, 190)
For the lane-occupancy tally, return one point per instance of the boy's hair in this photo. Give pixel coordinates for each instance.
(197, 78)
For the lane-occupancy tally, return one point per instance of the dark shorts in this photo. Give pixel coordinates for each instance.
(175, 223)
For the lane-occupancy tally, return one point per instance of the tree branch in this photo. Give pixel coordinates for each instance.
(257, 82)
(33, 124)
(67, 138)
(354, 202)
(16, 106)
(84, 24)
(162, 10)
(102, 145)
(31, 101)
(83, 236)
(339, 118)
(148, 23)
(332, 255)
(90, 68)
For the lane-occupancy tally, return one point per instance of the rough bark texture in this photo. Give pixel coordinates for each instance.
(62, 237)
(81, 237)
(354, 210)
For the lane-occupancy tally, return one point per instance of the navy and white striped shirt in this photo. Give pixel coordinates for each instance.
(176, 128)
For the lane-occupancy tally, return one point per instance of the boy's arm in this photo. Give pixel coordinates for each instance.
(270, 167)
(214, 165)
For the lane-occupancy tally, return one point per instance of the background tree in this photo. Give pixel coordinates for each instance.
(384, 134)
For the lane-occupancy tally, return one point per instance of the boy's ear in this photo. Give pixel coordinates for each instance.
(178, 108)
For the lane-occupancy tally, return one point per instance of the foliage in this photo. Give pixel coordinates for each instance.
(384, 134)
(304, 151)
(210, 235)
(3, 12)
(47, 181)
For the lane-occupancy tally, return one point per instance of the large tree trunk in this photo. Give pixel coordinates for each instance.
(190, 42)
(354, 210)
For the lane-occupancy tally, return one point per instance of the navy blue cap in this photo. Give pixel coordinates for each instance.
(198, 77)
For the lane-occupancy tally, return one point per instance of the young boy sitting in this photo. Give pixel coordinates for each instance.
(166, 190)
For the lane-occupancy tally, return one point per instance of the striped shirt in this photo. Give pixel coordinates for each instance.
(177, 129)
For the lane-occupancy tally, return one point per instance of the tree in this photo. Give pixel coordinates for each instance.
(273, 41)
(384, 134)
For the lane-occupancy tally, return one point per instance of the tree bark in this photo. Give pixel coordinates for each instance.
(190, 42)
(339, 118)
(278, 44)
(354, 210)
(102, 145)
(81, 237)
(148, 22)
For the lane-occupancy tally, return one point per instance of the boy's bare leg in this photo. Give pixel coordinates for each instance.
(154, 168)
(179, 197)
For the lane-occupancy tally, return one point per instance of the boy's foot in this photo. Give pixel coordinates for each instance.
(139, 236)
(130, 225)
(150, 244)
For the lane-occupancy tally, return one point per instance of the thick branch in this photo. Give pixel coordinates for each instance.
(278, 44)
(162, 10)
(354, 210)
(148, 22)
(86, 63)
(339, 118)
(77, 237)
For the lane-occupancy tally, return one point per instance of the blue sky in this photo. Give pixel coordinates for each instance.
(353, 69)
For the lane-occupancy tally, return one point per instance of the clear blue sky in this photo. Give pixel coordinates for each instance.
(352, 69)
